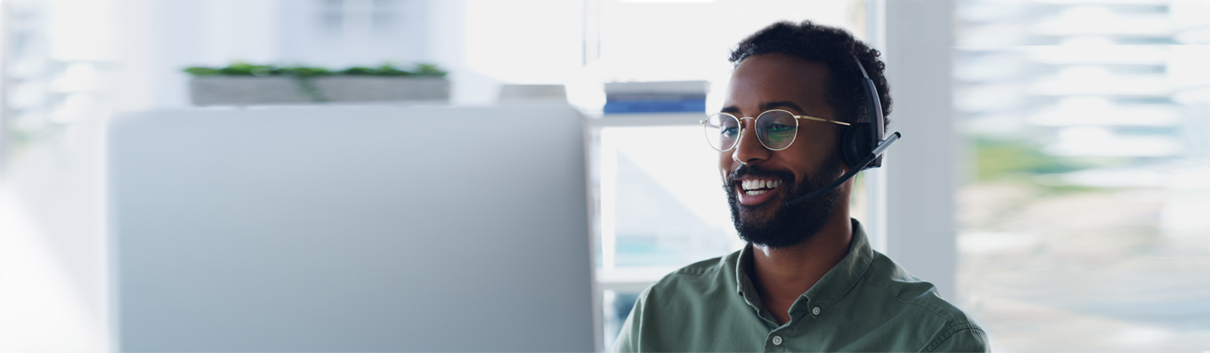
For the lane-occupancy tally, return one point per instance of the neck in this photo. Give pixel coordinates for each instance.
(782, 275)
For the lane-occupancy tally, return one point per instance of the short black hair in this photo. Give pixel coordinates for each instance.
(833, 47)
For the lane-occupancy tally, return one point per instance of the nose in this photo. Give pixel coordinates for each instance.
(748, 149)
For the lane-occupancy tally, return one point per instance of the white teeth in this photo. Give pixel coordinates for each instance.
(760, 184)
(754, 192)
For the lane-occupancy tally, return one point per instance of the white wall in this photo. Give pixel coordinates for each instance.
(156, 39)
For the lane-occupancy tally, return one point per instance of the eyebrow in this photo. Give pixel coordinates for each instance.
(781, 104)
(731, 109)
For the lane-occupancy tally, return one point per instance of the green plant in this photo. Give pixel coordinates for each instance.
(1003, 158)
(1023, 161)
(240, 68)
(386, 69)
(429, 70)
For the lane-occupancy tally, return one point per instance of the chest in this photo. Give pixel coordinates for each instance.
(834, 330)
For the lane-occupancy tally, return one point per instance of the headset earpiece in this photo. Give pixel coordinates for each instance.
(855, 143)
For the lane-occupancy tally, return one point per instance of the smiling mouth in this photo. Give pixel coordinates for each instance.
(754, 187)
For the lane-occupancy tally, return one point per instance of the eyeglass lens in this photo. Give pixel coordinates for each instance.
(775, 129)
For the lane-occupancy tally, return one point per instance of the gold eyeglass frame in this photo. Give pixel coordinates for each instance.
(706, 128)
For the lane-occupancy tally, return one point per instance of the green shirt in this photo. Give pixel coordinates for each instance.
(866, 303)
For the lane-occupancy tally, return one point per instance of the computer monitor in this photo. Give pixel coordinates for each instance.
(351, 229)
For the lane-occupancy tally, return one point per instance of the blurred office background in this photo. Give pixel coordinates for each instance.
(1082, 211)
(1071, 151)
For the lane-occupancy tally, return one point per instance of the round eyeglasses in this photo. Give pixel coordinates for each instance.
(775, 129)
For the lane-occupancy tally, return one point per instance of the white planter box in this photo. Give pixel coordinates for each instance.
(236, 90)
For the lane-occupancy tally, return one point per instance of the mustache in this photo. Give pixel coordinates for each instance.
(746, 170)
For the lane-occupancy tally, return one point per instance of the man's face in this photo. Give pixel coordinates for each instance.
(759, 181)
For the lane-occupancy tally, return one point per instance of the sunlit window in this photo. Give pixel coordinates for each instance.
(1083, 217)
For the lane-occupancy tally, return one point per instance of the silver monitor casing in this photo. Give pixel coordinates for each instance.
(351, 229)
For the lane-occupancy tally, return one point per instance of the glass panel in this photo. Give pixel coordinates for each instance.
(617, 307)
(662, 193)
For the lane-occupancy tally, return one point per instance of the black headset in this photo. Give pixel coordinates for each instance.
(862, 144)
(861, 138)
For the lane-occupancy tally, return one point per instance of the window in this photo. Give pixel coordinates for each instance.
(1082, 217)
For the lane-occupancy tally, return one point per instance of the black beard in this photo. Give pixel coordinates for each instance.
(788, 226)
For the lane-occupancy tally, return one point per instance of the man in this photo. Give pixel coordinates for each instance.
(808, 279)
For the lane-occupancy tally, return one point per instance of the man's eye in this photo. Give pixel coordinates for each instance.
(730, 132)
(779, 128)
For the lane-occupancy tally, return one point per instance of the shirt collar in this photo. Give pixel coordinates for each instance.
(830, 288)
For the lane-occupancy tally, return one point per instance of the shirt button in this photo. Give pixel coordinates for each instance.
(815, 311)
(776, 340)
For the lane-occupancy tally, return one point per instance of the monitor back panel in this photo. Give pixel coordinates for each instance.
(352, 229)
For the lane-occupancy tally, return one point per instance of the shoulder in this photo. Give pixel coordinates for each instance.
(701, 276)
(894, 283)
(944, 326)
(685, 292)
